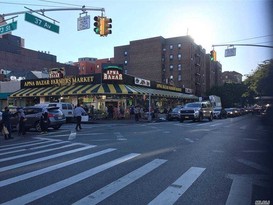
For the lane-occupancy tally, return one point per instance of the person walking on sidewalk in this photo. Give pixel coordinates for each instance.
(78, 112)
(6, 123)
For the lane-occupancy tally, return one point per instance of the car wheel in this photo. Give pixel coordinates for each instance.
(38, 126)
(181, 120)
(56, 127)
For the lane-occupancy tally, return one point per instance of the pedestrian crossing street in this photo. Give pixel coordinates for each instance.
(22, 163)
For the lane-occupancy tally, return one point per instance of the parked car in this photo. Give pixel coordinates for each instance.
(66, 108)
(267, 115)
(174, 114)
(232, 112)
(219, 113)
(196, 111)
(33, 116)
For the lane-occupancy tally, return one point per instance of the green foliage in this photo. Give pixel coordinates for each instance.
(230, 93)
(260, 83)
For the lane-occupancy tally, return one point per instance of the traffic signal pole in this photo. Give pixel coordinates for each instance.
(230, 45)
(84, 9)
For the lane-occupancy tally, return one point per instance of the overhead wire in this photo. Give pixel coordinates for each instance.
(250, 38)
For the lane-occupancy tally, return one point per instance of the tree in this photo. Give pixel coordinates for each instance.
(260, 82)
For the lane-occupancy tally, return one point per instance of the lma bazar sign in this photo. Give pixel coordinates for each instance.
(112, 72)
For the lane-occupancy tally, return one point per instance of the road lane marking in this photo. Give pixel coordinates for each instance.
(240, 191)
(119, 136)
(52, 168)
(189, 140)
(14, 166)
(33, 148)
(25, 145)
(254, 165)
(33, 153)
(30, 197)
(178, 188)
(119, 184)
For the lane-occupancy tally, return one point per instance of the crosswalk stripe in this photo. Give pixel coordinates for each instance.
(122, 182)
(178, 188)
(44, 158)
(33, 153)
(25, 145)
(30, 197)
(33, 148)
(53, 167)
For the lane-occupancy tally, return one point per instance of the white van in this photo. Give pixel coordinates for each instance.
(66, 108)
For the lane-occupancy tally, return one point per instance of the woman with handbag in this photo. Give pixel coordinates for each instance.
(22, 120)
(6, 124)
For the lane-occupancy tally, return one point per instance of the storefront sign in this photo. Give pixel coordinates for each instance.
(56, 72)
(168, 87)
(140, 81)
(188, 90)
(112, 72)
(58, 81)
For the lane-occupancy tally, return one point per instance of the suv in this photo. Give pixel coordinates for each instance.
(33, 116)
(196, 111)
(66, 108)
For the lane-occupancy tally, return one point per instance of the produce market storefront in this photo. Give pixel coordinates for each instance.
(110, 89)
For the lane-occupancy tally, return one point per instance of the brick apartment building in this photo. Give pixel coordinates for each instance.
(177, 61)
(213, 73)
(89, 65)
(232, 77)
(14, 57)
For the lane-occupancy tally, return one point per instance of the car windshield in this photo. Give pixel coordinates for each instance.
(193, 105)
(176, 109)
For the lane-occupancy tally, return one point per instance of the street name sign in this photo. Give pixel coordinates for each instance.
(8, 27)
(41, 22)
(83, 22)
(230, 52)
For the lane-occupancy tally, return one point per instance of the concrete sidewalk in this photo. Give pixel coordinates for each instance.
(161, 118)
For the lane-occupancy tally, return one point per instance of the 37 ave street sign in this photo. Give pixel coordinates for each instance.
(42, 23)
(8, 27)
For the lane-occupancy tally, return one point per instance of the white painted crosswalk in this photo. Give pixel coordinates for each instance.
(28, 169)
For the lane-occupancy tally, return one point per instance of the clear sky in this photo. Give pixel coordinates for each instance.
(209, 22)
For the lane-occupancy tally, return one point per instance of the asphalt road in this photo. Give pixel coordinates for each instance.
(228, 161)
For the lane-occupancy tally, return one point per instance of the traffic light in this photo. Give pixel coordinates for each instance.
(213, 55)
(107, 26)
(97, 24)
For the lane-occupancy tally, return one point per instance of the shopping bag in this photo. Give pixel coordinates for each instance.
(5, 130)
(85, 118)
(72, 135)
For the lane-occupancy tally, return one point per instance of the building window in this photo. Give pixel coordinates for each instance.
(179, 67)
(179, 56)
(163, 59)
(125, 62)
(125, 53)
(164, 49)
(171, 67)
(171, 47)
(179, 78)
(179, 45)
(171, 57)
(125, 71)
